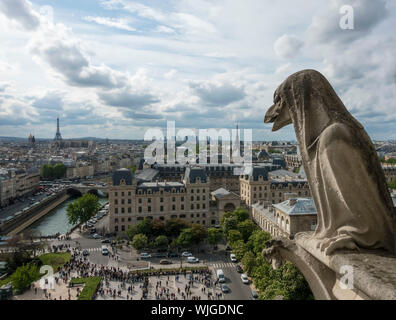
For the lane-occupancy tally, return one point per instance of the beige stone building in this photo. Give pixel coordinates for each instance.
(223, 200)
(268, 184)
(130, 201)
(287, 218)
(390, 172)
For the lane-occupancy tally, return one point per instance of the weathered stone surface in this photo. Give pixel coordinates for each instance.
(345, 177)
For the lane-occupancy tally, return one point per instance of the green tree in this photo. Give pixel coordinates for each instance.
(173, 227)
(240, 214)
(161, 241)
(214, 236)
(24, 276)
(233, 236)
(186, 238)
(392, 184)
(257, 241)
(227, 223)
(144, 227)
(249, 262)
(199, 232)
(82, 209)
(246, 228)
(139, 241)
(239, 248)
(157, 227)
(59, 170)
(131, 232)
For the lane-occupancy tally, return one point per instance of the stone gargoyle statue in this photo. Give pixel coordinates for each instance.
(347, 183)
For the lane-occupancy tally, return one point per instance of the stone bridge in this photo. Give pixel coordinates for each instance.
(344, 275)
(80, 189)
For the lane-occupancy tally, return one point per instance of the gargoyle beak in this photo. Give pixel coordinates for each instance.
(271, 114)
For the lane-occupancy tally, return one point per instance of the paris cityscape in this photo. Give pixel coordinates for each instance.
(194, 173)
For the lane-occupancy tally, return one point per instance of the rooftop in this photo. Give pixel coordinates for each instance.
(297, 206)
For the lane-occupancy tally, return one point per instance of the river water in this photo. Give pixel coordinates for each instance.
(55, 221)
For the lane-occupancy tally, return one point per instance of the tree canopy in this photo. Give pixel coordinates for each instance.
(51, 172)
(82, 209)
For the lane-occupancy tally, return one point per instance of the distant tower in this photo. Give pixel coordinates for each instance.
(31, 140)
(58, 136)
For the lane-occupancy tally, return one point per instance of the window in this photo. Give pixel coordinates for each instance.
(122, 210)
(197, 215)
(197, 190)
(173, 207)
(140, 200)
(161, 208)
(129, 209)
(116, 228)
(122, 220)
(129, 219)
(122, 228)
(140, 209)
(139, 218)
(116, 194)
(182, 198)
(192, 206)
(115, 201)
(161, 199)
(173, 199)
(203, 214)
(197, 205)
(192, 215)
(192, 198)
(149, 208)
(122, 201)
(129, 193)
(122, 194)
(203, 206)
(115, 210)
(182, 216)
(149, 200)
(115, 221)
(203, 197)
(129, 201)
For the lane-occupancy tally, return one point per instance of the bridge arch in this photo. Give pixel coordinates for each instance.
(74, 192)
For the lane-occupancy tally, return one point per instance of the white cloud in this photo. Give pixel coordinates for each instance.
(287, 46)
(121, 24)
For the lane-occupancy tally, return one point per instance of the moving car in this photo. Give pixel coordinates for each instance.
(224, 288)
(255, 295)
(105, 241)
(239, 268)
(220, 275)
(233, 257)
(85, 252)
(244, 278)
(105, 251)
(192, 260)
(145, 255)
(186, 254)
(164, 261)
(96, 236)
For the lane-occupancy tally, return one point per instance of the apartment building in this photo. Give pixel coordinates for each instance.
(131, 200)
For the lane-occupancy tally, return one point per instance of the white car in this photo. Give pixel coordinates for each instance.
(244, 278)
(192, 260)
(96, 236)
(233, 257)
(145, 255)
(186, 254)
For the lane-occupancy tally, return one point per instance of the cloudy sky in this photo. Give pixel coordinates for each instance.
(114, 68)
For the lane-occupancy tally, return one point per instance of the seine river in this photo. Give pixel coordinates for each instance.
(55, 221)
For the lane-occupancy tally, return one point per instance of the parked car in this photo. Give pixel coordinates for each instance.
(145, 255)
(192, 260)
(239, 268)
(186, 254)
(224, 288)
(164, 261)
(255, 295)
(85, 252)
(96, 236)
(105, 241)
(228, 248)
(173, 255)
(244, 278)
(160, 255)
(233, 257)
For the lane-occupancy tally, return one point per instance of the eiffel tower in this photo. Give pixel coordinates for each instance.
(58, 136)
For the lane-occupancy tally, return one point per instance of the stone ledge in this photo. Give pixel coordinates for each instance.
(374, 271)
